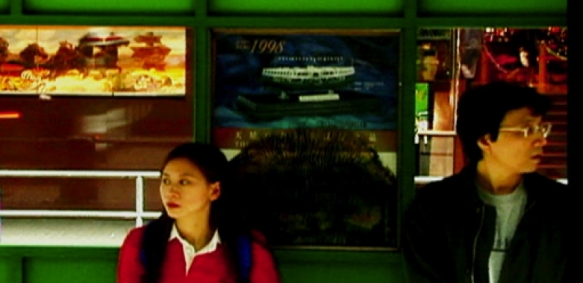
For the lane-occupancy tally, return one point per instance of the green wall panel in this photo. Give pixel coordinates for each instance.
(4, 8)
(382, 272)
(98, 265)
(157, 7)
(10, 269)
(492, 7)
(306, 7)
(313, 266)
(59, 270)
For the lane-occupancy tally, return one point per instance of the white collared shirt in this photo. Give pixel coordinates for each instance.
(188, 249)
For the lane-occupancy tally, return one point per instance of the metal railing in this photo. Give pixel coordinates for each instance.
(139, 214)
(420, 180)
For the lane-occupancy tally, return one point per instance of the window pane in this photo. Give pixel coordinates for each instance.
(121, 106)
(532, 57)
(309, 116)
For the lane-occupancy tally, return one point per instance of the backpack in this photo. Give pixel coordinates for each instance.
(243, 254)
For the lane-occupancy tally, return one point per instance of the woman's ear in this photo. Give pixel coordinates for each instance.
(215, 191)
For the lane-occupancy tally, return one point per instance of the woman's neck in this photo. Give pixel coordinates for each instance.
(196, 232)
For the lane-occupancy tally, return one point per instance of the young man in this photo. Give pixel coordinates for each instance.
(496, 221)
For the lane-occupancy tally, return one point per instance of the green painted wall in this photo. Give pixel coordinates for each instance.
(86, 264)
(98, 265)
(490, 7)
(110, 7)
(10, 268)
(4, 6)
(57, 264)
(298, 7)
(302, 6)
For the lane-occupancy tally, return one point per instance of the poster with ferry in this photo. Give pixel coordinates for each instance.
(267, 81)
(88, 61)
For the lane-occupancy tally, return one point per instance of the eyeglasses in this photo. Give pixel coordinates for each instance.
(543, 128)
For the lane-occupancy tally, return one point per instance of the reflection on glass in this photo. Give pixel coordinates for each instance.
(533, 57)
(87, 98)
(434, 54)
(68, 193)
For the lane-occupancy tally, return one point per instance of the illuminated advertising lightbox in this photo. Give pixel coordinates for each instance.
(93, 61)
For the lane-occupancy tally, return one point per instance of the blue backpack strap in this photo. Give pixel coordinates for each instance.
(244, 250)
(143, 257)
(145, 238)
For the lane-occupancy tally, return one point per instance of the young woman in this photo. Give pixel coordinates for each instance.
(198, 237)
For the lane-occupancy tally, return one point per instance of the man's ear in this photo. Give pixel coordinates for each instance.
(215, 191)
(484, 142)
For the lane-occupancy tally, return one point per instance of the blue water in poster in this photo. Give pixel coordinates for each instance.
(287, 80)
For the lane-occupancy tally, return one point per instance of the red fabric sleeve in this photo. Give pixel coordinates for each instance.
(129, 268)
(263, 268)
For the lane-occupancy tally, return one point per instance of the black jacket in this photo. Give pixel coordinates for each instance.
(448, 233)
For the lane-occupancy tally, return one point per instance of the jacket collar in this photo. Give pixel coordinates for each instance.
(467, 177)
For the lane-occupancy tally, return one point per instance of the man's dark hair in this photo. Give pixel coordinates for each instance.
(480, 111)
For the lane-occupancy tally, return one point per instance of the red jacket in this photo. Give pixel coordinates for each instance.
(206, 268)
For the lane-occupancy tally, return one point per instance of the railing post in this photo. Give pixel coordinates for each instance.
(139, 201)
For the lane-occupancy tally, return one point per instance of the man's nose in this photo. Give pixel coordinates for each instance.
(541, 141)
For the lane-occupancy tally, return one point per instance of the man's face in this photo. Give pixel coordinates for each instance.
(520, 142)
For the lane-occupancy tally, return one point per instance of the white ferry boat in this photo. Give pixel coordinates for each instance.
(308, 77)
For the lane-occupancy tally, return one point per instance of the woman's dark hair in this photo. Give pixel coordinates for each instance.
(482, 109)
(214, 166)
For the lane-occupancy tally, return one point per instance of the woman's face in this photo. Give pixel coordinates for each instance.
(185, 191)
